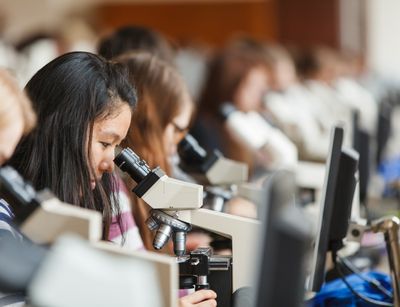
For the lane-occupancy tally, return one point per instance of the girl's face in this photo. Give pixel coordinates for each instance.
(176, 130)
(107, 134)
(249, 95)
(10, 134)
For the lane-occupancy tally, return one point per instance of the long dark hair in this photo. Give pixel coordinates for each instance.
(68, 95)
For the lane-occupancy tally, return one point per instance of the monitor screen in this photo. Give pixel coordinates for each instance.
(285, 241)
(326, 209)
(333, 222)
(343, 199)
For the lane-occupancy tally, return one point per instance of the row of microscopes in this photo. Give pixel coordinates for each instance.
(72, 272)
(56, 276)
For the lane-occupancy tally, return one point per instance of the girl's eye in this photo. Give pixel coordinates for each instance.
(105, 145)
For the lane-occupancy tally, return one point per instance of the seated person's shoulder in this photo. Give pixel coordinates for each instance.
(7, 228)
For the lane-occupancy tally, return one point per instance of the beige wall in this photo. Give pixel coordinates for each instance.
(26, 16)
(383, 35)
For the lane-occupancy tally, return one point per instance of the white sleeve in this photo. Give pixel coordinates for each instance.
(252, 130)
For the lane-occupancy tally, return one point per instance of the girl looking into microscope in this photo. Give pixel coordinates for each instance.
(84, 107)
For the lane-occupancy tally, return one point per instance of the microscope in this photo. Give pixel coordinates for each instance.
(221, 176)
(271, 146)
(209, 167)
(41, 216)
(176, 207)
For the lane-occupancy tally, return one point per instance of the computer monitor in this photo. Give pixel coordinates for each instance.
(337, 198)
(362, 144)
(343, 199)
(284, 243)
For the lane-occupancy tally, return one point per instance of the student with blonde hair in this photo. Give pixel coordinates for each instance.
(16, 118)
(16, 114)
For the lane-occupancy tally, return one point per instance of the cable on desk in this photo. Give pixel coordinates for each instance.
(373, 282)
(359, 295)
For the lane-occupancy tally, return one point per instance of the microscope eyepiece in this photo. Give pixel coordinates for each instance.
(226, 110)
(194, 159)
(130, 162)
(190, 151)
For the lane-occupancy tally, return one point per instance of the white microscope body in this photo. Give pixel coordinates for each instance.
(177, 205)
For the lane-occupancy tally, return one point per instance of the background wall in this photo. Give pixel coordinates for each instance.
(367, 26)
(308, 22)
(210, 22)
(383, 35)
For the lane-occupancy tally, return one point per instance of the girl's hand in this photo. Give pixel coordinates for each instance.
(201, 298)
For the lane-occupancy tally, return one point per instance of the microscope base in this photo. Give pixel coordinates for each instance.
(202, 270)
(221, 283)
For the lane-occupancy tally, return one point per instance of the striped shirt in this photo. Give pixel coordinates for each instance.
(127, 234)
(6, 230)
(6, 221)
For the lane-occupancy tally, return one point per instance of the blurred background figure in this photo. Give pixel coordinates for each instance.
(16, 115)
(159, 123)
(134, 38)
(35, 52)
(238, 75)
(16, 119)
(293, 108)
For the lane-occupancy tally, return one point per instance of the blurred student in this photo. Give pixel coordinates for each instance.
(317, 68)
(160, 121)
(158, 124)
(135, 38)
(294, 109)
(354, 94)
(16, 115)
(16, 118)
(239, 75)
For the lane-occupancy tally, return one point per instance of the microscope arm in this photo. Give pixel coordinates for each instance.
(75, 273)
(390, 226)
(226, 171)
(243, 232)
(54, 218)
